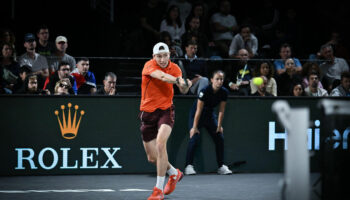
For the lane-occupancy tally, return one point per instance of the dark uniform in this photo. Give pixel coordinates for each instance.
(208, 120)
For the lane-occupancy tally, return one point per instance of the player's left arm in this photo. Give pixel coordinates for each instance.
(222, 106)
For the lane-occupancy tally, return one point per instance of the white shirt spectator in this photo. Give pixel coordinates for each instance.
(320, 92)
(238, 43)
(226, 21)
(38, 63)
(175, 32)
(340, 92)
(333, 71)
(54, 61)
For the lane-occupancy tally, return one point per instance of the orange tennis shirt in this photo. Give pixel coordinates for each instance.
(156, 93)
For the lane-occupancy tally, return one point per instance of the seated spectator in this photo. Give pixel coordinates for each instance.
(30, 86)
(3, 89)
(239, 81)
(244, 40)
(150, 18)
(285, 53)
(338, 43)
(298, 90)
(175, 50)
(344, 88)
(109, 85)
(193, 33)
(60, 55)
(265, 69)
(332, 68)
(24, 71)
(7, 36)
(196, 70)
(63, 72)
(10, 68)
(173, 24)
(86, 82)
(184, 8)
(287, 78)
(224, 25)
(199, 10)
(313, 89)
(44, 46)
(62, 87)
(307, 68)
(261, 92)
(38, 62)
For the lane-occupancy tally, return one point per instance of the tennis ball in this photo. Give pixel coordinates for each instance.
(257, 81)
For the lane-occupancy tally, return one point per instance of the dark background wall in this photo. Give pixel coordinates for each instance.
(90, 32)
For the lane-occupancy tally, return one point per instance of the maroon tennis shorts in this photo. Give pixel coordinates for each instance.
(151, 122)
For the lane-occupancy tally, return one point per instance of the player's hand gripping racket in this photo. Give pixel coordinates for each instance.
(184, 75)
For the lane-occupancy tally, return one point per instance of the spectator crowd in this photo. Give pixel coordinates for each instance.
(194, 36)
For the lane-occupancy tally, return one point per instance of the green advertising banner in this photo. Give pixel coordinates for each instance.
(100, 135)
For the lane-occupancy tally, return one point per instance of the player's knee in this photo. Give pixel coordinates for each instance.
(161, 147)
(152, 159)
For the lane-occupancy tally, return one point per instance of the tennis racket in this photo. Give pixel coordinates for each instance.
(184, 75)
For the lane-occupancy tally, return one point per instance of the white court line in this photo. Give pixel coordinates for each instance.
(48, 191)
(134, 190)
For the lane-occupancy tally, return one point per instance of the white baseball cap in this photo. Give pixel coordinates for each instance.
(61, 39)
(160, 47)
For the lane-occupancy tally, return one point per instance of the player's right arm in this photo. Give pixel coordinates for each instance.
(179, 81)
(194, 129)
(158, 74)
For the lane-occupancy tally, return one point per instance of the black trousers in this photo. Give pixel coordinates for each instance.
(208, 120)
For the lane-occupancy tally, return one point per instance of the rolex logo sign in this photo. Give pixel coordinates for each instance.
(68, 126)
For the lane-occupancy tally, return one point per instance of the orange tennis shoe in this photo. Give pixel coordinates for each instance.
(171, 185)
(157, 194)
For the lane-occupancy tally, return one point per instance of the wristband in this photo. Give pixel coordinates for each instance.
(230, 84)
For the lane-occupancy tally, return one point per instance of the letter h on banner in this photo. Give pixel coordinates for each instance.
(274, 136)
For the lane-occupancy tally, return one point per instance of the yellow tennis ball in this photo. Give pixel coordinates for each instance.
(258, 81)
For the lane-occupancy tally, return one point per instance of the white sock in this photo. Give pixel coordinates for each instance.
(172, 171)
(160, 182)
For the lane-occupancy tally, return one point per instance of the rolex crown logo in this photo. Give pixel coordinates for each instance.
(69, 128)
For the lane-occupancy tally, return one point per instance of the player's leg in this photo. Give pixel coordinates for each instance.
(152, 156)
(151, 151)
(162, 160)
(149, 130)
(162, 155)
(165, 124)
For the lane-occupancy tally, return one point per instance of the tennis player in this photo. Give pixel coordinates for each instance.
(202, 115)
(157, 115)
